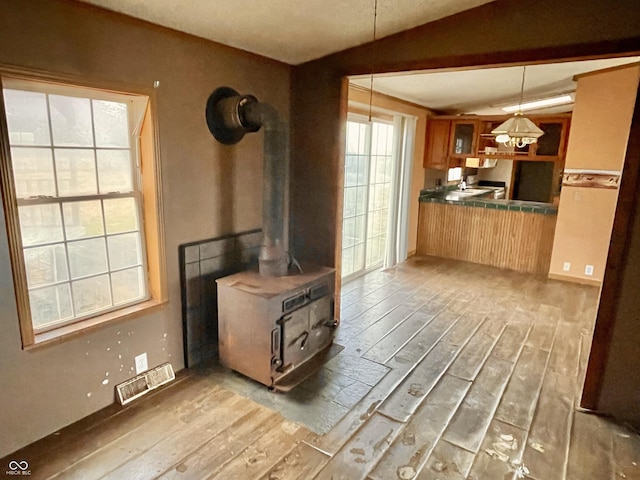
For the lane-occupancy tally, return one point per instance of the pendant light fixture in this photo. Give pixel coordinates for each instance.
(518, 130)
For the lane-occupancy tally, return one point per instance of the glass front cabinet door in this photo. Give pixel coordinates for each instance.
(463, 138)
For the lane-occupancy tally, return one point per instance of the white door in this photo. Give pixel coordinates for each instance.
(368, 184)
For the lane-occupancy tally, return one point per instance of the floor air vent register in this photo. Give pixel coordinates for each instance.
(144, 383)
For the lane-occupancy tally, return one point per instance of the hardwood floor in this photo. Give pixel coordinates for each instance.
(483, 368)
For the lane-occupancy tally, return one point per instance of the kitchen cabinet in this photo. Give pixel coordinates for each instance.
(553, 143)
(436, 153)
(550, 147)
(463, 138)
(487, 236)
(488, 147)
(451, 140)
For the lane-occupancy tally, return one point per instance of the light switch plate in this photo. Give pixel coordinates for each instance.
(141, 363)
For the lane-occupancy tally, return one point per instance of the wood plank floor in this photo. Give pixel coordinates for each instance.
(482, 372)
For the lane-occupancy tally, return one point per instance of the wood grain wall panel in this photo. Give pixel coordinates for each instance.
(519, 241)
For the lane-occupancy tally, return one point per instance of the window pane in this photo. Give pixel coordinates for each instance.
(347, 262)
(71, 121)
(350, 170)
(76, 172)
(362, 170)
(386, 188)
(111, 124)
(381, 166)
(27, 117)
(349, 206)
(87, 257)
(33, 172)
(374, 245)
(358, 257)
(372, 169)
(360, 233)
(362, 138)
(91, 294)
(376, 224)
(46, 265)
(114, 171)
(388, 170)
(82, 219)
(361, 204)
(348, 232)
(127, 285)
(124, 251)
(379, 143)
(353, 133)
(50, 305)
(384, 221)
(367, 263)
(40, 224)
(379, 197)
(121, 215)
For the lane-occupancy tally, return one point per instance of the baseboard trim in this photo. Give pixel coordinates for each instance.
(583, 281)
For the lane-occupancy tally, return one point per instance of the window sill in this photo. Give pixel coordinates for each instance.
(68, 332)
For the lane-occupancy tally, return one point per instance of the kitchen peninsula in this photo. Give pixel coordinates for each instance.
(465, 225)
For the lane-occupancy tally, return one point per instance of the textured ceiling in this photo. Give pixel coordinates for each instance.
(484, 91)
(292, 31)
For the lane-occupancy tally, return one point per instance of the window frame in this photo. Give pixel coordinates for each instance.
(144, 147)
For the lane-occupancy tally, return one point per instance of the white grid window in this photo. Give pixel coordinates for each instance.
(78, 193)
(367, 185)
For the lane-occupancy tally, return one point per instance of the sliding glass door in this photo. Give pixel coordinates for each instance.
(368, 179)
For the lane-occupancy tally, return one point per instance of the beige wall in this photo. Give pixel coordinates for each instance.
(597, 141)
(209, 190)
(389, 104)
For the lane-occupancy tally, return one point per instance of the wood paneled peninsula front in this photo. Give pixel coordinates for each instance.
(512, 234)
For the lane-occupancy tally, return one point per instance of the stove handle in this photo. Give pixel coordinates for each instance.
(304, 336)
(325, 323)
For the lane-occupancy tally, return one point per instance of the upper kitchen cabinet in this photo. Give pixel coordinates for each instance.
(553, 143)
(436, 153)
(450, 140)
(487, 145)
(550, 147)
(464, 134)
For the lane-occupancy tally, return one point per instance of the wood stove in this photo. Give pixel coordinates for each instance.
(272, 324)
(274, 329)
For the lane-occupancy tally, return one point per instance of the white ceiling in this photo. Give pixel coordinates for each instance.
(288, 30)
(484, 91)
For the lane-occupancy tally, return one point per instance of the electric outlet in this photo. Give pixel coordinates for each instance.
(566, 266)
(141, 363)
(577, 196)
(588, 270)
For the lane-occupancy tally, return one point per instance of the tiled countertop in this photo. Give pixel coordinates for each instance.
(453, 197)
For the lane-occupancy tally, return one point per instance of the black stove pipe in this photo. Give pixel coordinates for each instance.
(231, 115)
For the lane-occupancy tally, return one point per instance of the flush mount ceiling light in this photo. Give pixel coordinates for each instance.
(540, 103)
(518, 130)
